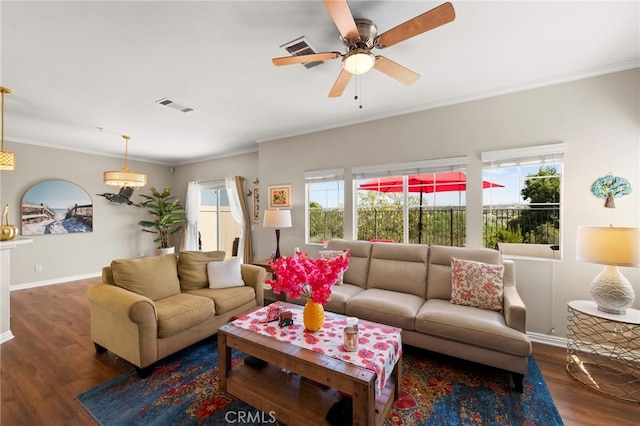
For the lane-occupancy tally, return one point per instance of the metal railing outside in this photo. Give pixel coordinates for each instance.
(441, 225)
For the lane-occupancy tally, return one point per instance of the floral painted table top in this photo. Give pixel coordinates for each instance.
(379, 349)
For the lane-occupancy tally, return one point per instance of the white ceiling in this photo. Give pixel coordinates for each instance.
(77, 66)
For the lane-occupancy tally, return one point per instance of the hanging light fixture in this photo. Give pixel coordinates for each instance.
(7, 159)
(125, 177)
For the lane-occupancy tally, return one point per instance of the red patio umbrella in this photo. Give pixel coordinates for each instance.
(424, 183)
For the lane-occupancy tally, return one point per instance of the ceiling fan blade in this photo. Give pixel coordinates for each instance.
(395, 70)
(342, 17)
(434, 18)
(340, 84)
(303, 59)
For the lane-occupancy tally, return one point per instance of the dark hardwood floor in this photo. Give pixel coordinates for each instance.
(51, 360)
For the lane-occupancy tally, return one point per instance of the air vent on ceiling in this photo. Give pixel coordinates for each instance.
(301, 46)
(173, 104)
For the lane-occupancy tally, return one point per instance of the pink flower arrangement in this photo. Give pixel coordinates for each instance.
(305, 276)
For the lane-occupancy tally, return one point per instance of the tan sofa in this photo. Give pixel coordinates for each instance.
(409, 286)
(149, 308)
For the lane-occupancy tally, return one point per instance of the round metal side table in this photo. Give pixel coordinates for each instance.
(603, 350)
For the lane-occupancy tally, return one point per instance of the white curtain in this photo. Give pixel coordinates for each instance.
(192, 209)
(236, 210)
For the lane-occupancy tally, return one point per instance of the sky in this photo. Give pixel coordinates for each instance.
(57, 194)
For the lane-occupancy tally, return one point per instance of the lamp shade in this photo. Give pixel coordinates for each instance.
(7, 159)
(276, 218)
(124, 178)
(609, 245)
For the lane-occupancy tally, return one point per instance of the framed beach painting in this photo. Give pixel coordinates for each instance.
(279, 196)
(56, 207)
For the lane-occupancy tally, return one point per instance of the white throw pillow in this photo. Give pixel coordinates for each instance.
(225, 274)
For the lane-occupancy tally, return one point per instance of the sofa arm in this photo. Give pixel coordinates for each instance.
(254, 276)
(123, 303)
(124, 322)
(515, 312)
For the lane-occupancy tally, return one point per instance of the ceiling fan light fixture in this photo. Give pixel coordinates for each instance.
(7, 159)
(125, 178)
(358, 61)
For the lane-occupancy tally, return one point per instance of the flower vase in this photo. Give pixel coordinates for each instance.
(313, 315)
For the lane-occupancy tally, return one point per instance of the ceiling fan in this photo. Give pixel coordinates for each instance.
(360, 36)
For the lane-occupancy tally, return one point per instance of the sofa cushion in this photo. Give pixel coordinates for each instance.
(360, 252)
(477, 284)
(332, 255)
(227, 299)
(399, 267)
(192, 268)
(339, 297)
(225, 274)
(471, 326)
(152, 277)
(386, 307)
(439, 273)
(182, 311)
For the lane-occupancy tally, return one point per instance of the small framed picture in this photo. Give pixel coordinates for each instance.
(279, 196)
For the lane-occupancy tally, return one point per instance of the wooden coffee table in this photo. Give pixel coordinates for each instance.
(305, 395)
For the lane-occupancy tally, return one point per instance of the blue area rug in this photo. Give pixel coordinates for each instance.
(436, 390)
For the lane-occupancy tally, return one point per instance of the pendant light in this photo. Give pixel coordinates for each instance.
(7, 159)
(125, 178)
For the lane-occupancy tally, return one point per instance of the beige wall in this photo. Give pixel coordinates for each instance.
(598, 119)
(115, 230)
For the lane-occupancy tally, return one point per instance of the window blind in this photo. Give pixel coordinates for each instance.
(411, 168)
(323, 175)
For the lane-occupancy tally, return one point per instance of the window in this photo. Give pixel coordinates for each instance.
(525, 209)
(325, 201)
(420, 202)
(216, 228)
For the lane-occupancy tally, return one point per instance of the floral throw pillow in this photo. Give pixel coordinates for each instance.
(477, 284)
(332, 255)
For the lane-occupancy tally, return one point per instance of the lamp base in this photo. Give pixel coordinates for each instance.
(612, 291)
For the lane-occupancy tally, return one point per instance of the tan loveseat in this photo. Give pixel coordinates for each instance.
(409, 286)
(149, 308)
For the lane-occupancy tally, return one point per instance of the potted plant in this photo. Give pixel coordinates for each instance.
(166, 210)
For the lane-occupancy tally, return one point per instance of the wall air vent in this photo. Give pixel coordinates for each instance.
(173, 104)
(301, 46)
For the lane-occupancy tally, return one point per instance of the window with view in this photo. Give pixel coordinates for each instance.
(420, 202)
(325, 201)
(216, 228)
(525, 209)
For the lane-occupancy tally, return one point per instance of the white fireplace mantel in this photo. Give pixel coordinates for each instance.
(5, 277)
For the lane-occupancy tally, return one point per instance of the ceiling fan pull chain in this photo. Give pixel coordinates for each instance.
(358, 87)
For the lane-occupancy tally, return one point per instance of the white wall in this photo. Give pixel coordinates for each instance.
(598, 119)
(115, 230)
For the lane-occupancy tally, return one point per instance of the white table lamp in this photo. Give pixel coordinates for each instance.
(613, 247)
(276, 218)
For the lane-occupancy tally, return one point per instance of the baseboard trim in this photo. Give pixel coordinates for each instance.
(6, 336)
(53, 281)
(547, 339)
